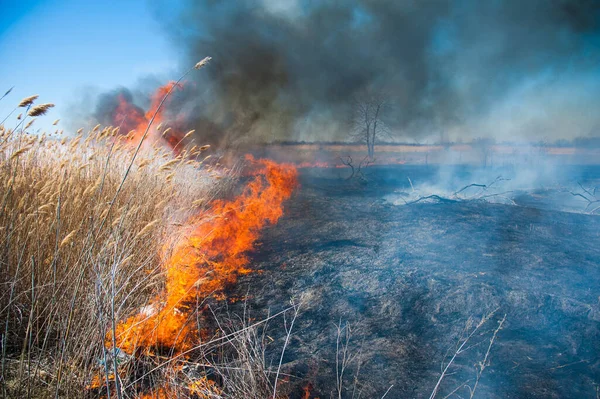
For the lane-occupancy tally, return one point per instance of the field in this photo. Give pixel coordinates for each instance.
(408, 283)
(359, 199)
(192, 279)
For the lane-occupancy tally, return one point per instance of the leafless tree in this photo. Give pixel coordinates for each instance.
(368, 125)
(540, 151)
(485, 147)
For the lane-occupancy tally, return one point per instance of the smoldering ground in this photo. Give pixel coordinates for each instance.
(407, 279)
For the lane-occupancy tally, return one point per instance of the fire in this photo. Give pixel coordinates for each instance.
(306, 391)
(201, 388)
(136, 120)
(128, 114)
(210, 254)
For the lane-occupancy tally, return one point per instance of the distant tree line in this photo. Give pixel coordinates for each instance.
(587, 142)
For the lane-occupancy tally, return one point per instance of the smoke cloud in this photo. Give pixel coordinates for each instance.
(290, 70)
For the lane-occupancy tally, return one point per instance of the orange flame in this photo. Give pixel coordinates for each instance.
(211, 253)
(306, 391)
(128, 114)
(134, 119)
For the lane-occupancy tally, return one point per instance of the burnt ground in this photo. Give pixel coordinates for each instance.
(407, 279)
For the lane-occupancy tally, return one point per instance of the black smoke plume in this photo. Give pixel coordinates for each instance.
(290, 70)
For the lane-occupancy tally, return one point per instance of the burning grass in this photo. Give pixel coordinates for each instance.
(108, 257)
(106, 269)
(209, 255)
(70, 262)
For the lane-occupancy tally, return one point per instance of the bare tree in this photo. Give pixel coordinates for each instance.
(367, 119)
(540, 151)
(485, 147)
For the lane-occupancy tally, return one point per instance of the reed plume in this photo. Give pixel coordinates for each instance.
(202, 62)
(40, 110)
(27, 101)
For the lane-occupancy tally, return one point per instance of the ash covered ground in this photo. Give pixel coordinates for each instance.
(406, 279)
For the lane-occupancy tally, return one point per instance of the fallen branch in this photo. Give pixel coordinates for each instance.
(584, 190)
(580, 195)
(483, 364)
(455, 197)
(501, 195)
(469, 186)
(591, 197)
(356, 171)
(433, 196)
(484, 187)
(461, 348)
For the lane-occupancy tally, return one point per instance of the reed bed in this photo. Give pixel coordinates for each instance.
(72, 262)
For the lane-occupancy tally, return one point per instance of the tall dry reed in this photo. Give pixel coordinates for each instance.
(65, 276)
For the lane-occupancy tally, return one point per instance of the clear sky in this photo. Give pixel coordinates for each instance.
(68, 50)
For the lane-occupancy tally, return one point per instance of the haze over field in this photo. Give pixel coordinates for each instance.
(459, 69)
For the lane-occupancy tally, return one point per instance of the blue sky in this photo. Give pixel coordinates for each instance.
(69, 50)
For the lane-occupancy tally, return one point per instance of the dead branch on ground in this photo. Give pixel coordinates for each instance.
(482, 194)
(588, 195)
(357, 171)
(463, 344)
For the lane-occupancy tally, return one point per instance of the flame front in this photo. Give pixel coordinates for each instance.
(206, 255)
(211, 253)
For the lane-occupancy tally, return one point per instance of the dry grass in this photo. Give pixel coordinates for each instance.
(72, 265)
(84, 220)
